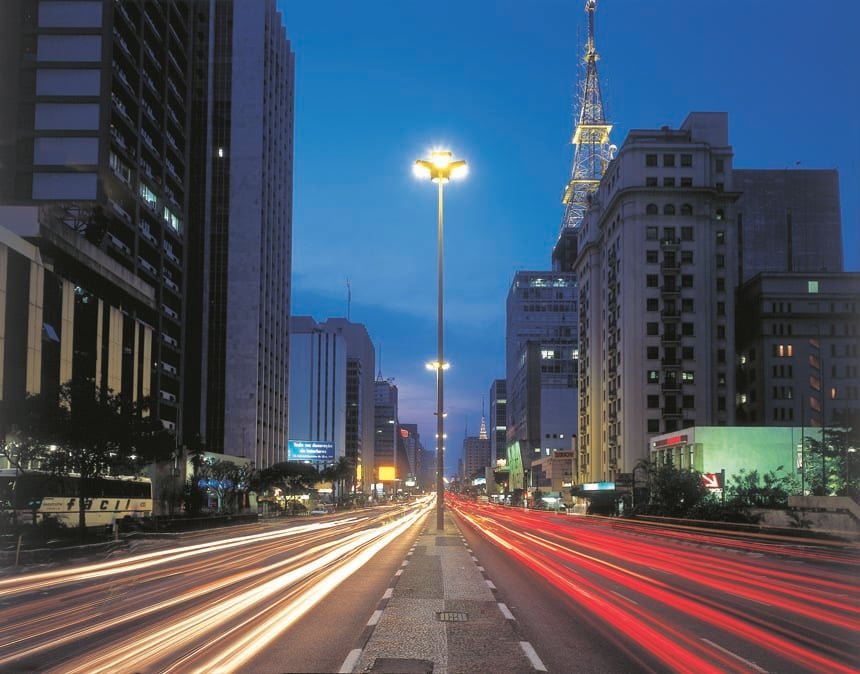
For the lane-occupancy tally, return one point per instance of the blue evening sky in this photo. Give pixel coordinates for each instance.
(380, 83)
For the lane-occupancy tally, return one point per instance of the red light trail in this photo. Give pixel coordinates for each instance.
(668, 592)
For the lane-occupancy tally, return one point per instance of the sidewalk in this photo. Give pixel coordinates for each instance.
(441, 616)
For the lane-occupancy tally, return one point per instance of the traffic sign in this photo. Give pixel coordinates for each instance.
(711, 481)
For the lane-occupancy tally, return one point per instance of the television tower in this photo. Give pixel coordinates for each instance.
(592, 153)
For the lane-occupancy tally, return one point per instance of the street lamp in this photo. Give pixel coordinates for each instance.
(393, 423)
(440, 168)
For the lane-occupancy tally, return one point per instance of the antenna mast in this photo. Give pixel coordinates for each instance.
(591, 155)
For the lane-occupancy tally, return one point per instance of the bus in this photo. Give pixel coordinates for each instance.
(33, 496)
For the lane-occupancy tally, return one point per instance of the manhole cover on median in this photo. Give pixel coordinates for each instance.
(401, 666)
(451, 617)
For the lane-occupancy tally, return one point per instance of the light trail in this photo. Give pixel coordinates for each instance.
(808, 617)
(187, 614)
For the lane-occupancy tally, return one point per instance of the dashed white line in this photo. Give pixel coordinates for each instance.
(735, 655)
(398, 572)
(506, 611)
(532, 656)
(490, 584)
(480, 568)
(474, 559)
(387, 594)
(405, 562)
(377, 614)
(350, 662)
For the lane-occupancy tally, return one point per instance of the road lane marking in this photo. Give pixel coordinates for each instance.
(490, 584)
(748, 663)
(623, 597)
(405, 562)
(377, 614)
(387, 594)
(474, 559)
(398, 572)
(350, 662)
(481, 569)
(532, 656)
(506, 611)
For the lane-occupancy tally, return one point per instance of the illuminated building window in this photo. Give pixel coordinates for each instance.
(812, 287)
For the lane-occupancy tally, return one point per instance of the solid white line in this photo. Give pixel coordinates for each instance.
(532, 656)
(350, 662)
(387, 594)
(506, 611)
(490, 584)
(735, 655)
(398, 572)
(377, 614)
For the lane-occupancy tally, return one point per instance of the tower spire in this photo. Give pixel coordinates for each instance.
(591, 155)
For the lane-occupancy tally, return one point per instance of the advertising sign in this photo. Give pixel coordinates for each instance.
(598, 486)
(315, 451)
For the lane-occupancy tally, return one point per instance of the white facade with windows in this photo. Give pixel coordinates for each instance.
(656, 278)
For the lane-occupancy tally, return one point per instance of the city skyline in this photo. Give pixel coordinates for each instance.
(502, 96)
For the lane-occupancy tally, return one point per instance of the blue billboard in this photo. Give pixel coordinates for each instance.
(315, 451)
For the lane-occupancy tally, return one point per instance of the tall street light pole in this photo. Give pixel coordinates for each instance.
(440, 168)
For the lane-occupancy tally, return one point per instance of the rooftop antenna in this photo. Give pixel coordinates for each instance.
(379, 375)
(348, 298)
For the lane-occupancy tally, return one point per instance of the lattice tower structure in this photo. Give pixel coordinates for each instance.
(592, 150)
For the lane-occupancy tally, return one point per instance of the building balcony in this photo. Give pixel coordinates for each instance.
(671, 267)
(169, 311)
(672, 412)
(167, 339)
(148, 266)
(670, 244)
(120, 211)
(169, 369)
(670, 291)
(670, 386)
(147, 234)
(119, 244)
(670, 338)
(167, 396)
(170, 283)
(670, 315)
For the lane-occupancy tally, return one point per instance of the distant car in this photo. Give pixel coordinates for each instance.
(319, 511)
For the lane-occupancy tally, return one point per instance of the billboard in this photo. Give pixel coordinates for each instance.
(386, 473)
(315, 451)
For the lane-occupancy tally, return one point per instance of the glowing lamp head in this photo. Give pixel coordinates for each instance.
(421, 169)
(441, 158)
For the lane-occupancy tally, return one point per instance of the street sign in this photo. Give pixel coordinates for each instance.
(711, 481)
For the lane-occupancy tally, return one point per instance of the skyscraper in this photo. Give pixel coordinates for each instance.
(242, 200)
(656, 277)
(542, 362)
(95, 132)
(498, 420)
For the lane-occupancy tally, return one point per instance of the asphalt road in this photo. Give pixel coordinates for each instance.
(597, 595)
(267, 598)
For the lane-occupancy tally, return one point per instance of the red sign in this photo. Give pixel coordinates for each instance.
(711, 481)
(404, 433)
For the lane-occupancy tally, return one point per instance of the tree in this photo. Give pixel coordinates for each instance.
(673, 492)
(290, 477)
(748, 490)
(91, 433)
(229, 481)
(832, 464)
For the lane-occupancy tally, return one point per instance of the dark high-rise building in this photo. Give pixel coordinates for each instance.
(498, 420)
(241, 184)
(94, 130)
(787, 221)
